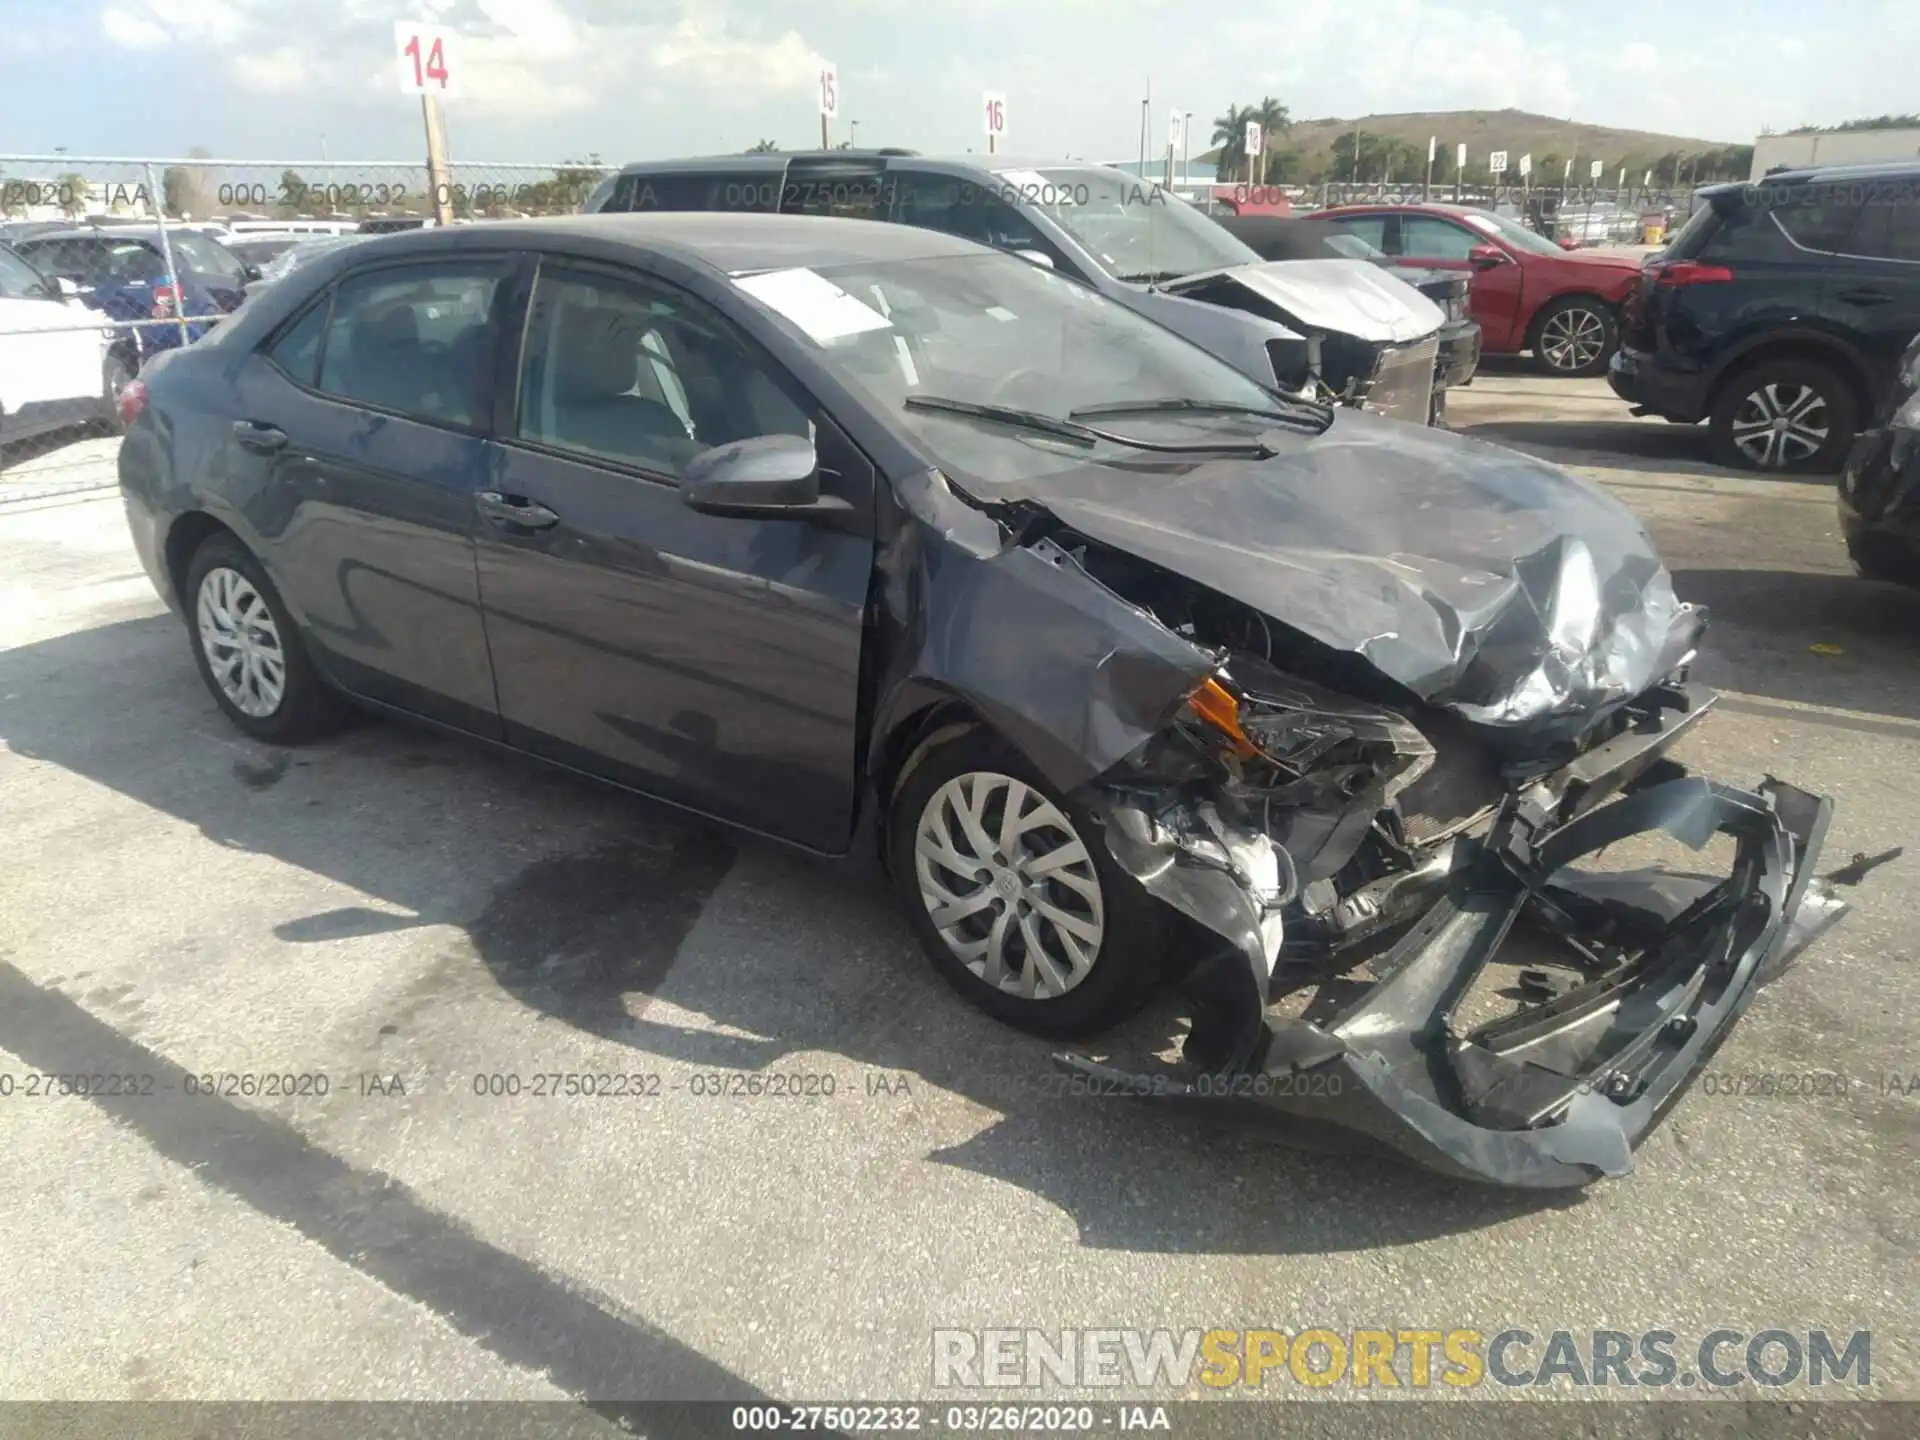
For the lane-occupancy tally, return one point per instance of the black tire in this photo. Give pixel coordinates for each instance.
(1877, 557)
(1126, 964)
(308, 707)
(115, 373)
(1780, 385)
(1583, 320)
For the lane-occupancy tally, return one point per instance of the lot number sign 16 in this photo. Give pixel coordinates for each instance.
(993, 111)
(426, 54)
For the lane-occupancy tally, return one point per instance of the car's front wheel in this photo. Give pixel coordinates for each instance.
(248, 652)
(1575, 335)
(1790, 416)
(1013, 894)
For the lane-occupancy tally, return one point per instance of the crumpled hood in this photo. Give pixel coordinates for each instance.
(1477, 577)
(1350, 297)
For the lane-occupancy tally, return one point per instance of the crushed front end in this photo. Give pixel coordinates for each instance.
(1347, 870)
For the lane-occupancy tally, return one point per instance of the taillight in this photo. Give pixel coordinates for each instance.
(164, 297)
(133, 399)
(1687, 272)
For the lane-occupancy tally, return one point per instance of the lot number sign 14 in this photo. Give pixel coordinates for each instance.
(427, 58)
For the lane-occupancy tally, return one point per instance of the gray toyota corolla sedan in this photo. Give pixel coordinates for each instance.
(1131, 671)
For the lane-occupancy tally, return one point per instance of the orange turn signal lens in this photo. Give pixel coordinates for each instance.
(1213, 703)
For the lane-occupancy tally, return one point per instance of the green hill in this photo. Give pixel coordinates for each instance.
(1397, 144)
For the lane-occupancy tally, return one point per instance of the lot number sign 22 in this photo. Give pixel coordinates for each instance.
(426, 55)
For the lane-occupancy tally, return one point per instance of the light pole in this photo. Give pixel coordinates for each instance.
(853, 134)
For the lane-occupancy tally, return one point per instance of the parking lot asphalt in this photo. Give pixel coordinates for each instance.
(421, 921)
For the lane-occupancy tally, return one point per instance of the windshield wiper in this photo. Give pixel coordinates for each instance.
(1293, 412)
(1080, 434)
(1150, 277)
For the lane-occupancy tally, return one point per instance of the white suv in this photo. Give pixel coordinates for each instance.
(58, 364)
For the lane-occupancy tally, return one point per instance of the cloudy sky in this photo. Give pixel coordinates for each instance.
(635, 79)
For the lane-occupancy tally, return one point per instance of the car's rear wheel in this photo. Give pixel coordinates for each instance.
(1014, 896)
(115, 376)
(248, 651)
(1788, 416)
(1575, 335)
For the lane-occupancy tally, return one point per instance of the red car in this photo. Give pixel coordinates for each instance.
(1527, 294)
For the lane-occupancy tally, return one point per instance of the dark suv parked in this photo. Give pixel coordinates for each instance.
(1779, 313)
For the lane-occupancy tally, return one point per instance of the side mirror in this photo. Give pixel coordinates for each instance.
(249, 272)
(65, 289)
(769, 475)
(1486, 257)
(1036, 257)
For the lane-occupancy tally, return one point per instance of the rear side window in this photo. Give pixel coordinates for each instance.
(749, 191)
(1889, 229)
(1823, 218)
(416, 340)
(297, 350)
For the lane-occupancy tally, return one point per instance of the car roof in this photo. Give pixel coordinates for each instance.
(827, 159)
(105, 232)
(1826, 174)
(731, 243)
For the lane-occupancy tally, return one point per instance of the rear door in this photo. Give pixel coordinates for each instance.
(1874, 287)
(709, 660)
(358, 446)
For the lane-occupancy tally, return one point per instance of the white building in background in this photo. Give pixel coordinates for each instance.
(1834, 147)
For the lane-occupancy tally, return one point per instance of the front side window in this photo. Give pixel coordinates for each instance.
(415, 339)
(1370, 228)
(992, 330)
(973, 210)
(1888, 230)
(205, 257)
(1425, 238)
(623, 370)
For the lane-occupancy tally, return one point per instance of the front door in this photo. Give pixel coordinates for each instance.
(711, 661)
(1429, 242)
(361, 434)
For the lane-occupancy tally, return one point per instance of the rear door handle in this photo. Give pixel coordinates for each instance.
(262, 438)
(1865, 296)
(515, 511)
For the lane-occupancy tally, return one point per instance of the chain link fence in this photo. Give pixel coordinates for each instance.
(1582, 214)
(106, 262)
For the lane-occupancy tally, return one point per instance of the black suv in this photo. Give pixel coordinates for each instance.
(1779, 313)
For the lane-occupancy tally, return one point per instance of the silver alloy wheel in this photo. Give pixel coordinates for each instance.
(1009, 885)
(1573, 338)
(1779, 424)
(117, 379)
(241, 643)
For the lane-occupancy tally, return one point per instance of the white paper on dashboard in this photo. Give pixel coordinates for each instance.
(814, 303)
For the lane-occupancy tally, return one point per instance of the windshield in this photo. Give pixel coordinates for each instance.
(995, 330)
(1512, 232)
(292, 259)
(204, 256)
(1136, 230)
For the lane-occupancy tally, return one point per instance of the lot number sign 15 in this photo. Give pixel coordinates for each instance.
(427, 58)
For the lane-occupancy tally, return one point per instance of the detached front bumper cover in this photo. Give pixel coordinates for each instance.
(1559, 1092)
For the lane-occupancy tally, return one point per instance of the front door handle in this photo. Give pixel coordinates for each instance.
(515, 511)
(261, 438)
(1865, 296)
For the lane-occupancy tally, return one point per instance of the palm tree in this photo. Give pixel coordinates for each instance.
(762, 147)
(1230, 134)
(1274, 122)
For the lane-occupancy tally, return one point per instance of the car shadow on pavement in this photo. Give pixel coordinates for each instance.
(621, 918)
(1835, 641)
(1616, 445)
